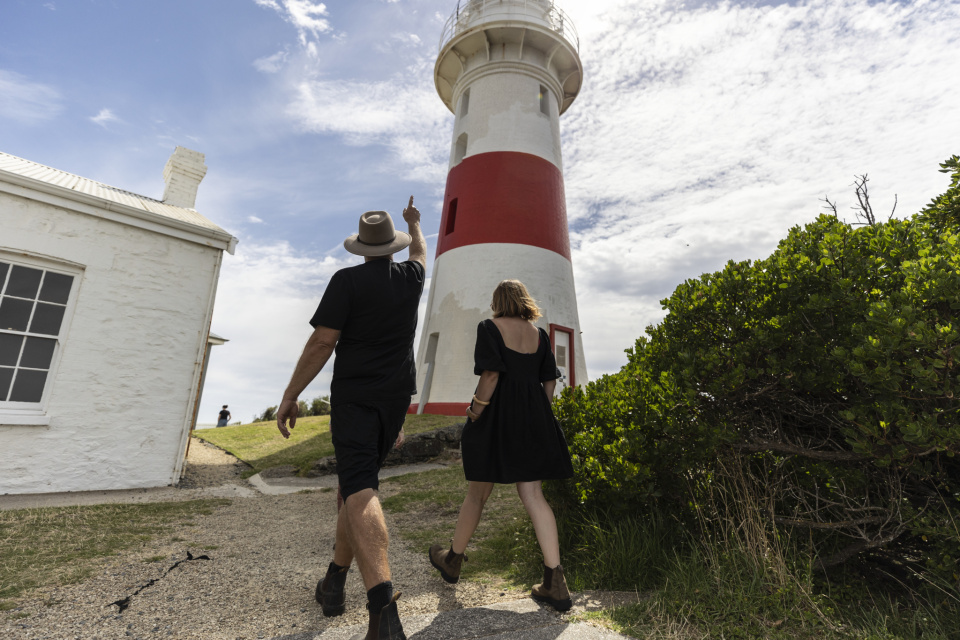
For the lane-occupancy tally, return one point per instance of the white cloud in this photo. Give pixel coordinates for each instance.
(703, 135)
(265, 298)
(700, 135)
(105, 117)
(25, 101)
(402, 114)
(397, 42)
(254, 219)
(407, 38)
(272, 64)
(309, 18)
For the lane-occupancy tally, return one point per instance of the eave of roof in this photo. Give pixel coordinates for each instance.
(32, 180)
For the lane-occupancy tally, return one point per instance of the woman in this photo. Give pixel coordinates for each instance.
(511, 435)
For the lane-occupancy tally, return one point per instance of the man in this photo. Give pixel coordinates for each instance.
(368, 313)
(223, 417)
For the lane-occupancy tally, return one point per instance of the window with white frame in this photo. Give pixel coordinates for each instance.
(35, 301)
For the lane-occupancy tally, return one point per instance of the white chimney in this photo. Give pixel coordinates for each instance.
(182, 175)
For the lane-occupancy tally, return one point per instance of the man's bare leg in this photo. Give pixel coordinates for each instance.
(368, 536)
(343, 553)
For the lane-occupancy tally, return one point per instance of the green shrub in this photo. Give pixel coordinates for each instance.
(303, 409)
(829, 370)
(320, 406)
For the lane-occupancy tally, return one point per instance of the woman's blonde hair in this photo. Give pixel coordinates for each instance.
(511, 299)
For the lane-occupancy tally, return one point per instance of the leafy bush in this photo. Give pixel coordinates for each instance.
(320, 406)
(829, 370)
(269, 414)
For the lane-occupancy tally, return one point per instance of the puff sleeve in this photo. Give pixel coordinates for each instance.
(548, 366)
(486, 353)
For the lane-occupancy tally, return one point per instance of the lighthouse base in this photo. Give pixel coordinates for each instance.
(441, 408)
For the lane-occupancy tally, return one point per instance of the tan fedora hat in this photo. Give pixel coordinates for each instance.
(377, 236)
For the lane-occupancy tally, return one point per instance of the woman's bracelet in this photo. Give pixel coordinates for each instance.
(473, 415)
(482, 403)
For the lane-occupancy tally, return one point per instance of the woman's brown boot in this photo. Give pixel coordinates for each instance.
(447, 562)
(553, 591)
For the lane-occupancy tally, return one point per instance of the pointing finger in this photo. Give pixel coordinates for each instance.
(411, 202)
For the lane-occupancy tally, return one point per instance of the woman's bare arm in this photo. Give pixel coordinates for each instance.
(549, 387)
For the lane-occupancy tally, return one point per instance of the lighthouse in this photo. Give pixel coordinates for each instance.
(507, 69)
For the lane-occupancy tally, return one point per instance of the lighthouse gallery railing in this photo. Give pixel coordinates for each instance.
(469, 10)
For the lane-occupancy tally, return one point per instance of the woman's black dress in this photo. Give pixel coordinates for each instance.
(516, 439)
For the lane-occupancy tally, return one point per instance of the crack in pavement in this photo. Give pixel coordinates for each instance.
(124, 603)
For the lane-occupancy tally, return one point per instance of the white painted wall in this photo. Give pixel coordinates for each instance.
(122, 400)
(504, 115)
(461, 290)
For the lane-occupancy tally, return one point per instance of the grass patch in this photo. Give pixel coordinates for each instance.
(504, 548)
(261, 446)
(58, 546)
(725, 587)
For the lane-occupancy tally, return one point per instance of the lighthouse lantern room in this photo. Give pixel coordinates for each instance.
(507, 69)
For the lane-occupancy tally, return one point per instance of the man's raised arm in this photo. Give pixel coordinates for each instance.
(418, 244)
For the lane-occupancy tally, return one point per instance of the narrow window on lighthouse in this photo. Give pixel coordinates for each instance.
(544, 100)
(451, 216)
(465, 103)
(461, 151)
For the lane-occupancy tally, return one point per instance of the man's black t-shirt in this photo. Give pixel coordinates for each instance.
(374, 306)
(224, 415)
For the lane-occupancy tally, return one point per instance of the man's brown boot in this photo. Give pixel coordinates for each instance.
(447, 562)
(330, 593)
(385, 625)
(553, 591)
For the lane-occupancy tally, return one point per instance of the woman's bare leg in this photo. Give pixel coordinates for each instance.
(544, 523)
(470, 511)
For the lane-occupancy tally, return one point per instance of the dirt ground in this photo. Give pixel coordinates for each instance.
(265, 556)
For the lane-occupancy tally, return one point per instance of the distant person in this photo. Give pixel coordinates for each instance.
(512, 435)
(369, 315)
(224, 417)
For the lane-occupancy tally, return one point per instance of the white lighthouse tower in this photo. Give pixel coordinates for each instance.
(507, 69)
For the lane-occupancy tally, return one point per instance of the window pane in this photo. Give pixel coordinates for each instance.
(28, 386)
(9, 349)
(38, 353)
(4, 267)
(14, 314)
(6, 375)
(47, 319)
(24, 282)
(56, 288)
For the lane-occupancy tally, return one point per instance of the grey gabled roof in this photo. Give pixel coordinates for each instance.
(65, 184)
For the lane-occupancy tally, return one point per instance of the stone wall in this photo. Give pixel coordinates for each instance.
(421, 447)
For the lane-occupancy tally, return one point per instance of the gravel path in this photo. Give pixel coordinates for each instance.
(266, 554)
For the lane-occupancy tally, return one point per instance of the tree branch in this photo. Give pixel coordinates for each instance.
(814, 454)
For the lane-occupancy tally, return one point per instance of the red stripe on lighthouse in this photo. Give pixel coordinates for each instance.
(505, 196)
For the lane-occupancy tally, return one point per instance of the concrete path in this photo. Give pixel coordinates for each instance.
(280, 486)
(253, 487)
(517, 620)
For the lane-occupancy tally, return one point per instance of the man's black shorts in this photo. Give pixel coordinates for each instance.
(363, 434)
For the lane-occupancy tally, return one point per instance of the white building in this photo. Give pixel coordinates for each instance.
(105, 305)
(507, 69)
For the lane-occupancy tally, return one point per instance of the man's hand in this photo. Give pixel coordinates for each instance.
(401, 438)
(418, 245)
(411, 214)
(289, 409)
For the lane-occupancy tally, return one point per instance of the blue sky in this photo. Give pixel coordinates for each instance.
(703, 132)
